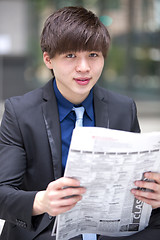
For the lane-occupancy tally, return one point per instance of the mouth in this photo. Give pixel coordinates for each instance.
(82, 81)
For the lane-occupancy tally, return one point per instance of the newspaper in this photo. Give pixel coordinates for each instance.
(107, 162)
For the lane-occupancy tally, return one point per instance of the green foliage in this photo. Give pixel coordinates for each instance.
(116, 59)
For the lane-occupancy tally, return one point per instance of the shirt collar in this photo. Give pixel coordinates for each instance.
(66, 106)
(88, 105)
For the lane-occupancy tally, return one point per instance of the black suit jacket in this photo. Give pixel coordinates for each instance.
(30, 153)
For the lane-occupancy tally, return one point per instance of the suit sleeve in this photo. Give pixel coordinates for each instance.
(15, 204)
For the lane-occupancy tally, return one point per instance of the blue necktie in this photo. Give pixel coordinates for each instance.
(79, 111)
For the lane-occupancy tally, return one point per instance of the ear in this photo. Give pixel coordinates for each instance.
(47, 60)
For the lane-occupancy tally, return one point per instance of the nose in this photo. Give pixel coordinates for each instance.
(83, 65)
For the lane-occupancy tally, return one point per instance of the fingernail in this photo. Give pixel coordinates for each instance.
(84, 190)
(133, 191)
(147, 175)
(136, 183)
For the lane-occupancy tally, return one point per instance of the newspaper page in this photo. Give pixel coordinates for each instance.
(107, 162)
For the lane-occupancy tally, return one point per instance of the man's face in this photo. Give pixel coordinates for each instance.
(76, 73)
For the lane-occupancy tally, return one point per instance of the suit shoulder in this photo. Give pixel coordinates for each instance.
(27, 98)
(25, 104)
(111, 97)
(32, 98)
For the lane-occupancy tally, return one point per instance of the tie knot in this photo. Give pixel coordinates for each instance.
(79, 111)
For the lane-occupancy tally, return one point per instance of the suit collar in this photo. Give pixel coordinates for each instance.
(48, 92)
(101, 107)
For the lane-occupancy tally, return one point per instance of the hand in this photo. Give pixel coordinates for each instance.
(152, 196)
(58, 197)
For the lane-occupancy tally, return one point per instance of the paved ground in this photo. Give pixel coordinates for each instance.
(149, 119)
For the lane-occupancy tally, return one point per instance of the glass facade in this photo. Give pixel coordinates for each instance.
(133, 63)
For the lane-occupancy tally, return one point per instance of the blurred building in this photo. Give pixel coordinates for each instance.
(134, 60)
(133, 63)
(13, 46)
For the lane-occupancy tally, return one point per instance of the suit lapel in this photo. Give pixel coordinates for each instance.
(51, 119)
(100, 108)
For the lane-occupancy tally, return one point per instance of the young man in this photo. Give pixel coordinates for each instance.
(36, 129)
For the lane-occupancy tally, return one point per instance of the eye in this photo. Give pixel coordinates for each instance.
(93, 54)
(70, 55)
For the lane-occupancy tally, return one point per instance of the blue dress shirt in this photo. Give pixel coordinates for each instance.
(67, 119)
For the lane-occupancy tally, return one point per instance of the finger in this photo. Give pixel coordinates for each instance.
(151, 202)
(65, 202)
(148, 185)
(70, 201)
(145, 194)
(63, 182)
(57, 207)
(66, 192)
(153, 175)
(61, 210)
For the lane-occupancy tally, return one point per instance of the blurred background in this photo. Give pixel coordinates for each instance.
(133, 64)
